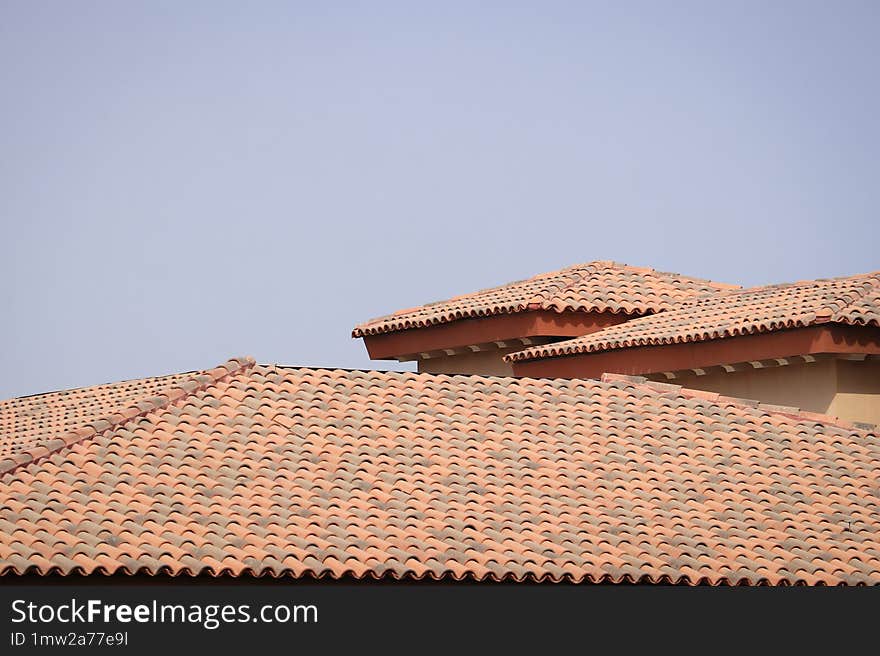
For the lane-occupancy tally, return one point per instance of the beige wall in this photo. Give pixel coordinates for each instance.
(858, 391)
(845, 389)
(484, 363)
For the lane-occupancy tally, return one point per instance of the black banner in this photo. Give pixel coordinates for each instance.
(170, 616)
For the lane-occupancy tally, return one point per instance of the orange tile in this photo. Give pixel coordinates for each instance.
(263, 470)
(599, 286)
(853, 300)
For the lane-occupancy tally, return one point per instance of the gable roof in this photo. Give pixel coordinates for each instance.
(328, 473)
(592, 287)
(853, 300)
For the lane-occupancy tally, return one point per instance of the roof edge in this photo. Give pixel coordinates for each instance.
(365, 330)
(409, 575)
(400, 320)
(198, 382)
(571, 346)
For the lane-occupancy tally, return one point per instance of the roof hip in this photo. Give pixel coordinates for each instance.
(198, 382)
(598, 286)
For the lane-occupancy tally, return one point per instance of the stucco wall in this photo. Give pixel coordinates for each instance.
(858, 391)
(846, 389)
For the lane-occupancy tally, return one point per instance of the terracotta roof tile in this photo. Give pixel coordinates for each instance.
(326, 473)
(592, 287)
(853, 300)
(33, 426)
(30, 421)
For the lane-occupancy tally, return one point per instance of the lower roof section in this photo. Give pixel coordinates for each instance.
(652, 359)
(305, 473)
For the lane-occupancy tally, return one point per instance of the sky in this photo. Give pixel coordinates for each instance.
(181, 183)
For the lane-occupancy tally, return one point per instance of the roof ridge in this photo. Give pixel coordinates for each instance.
(572, 273)
(585, 271)
(739, 289)
(614, 264)
(200, 380)
(811, 281)
(741, 402)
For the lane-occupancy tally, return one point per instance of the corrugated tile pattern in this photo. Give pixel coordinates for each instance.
(328, 473)
(37, 427)
(853, 300)
(30, 421)
(592, 287)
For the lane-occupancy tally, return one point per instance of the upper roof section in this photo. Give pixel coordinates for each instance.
(600, 286)
(853, 300)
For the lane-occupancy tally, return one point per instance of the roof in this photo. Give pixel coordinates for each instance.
(265, 470)
(30, 422)
(853, 300)
(592, 287)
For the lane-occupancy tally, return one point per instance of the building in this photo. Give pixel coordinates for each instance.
(472, 333)
(557, 472)
(812, 345)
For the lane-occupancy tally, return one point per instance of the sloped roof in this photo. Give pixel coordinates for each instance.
(29, 422)
(592, 287)
(265, 470)
(854, 300)
(33, 427)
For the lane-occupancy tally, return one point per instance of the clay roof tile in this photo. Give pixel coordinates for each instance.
(853, 300)
(375, 474)
(599, 286)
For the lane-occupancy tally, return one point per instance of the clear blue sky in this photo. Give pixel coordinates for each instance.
(185, 182)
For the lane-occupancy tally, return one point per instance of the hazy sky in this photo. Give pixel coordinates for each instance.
(184, 182)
